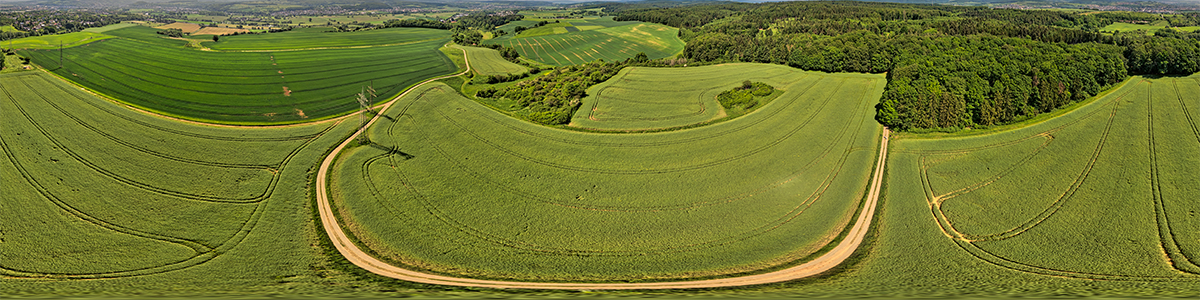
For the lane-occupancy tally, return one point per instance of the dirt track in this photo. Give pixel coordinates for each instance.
(817, 266)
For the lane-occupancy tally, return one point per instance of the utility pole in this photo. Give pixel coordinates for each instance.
(364, 106)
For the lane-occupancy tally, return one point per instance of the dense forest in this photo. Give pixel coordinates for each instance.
(948, 66)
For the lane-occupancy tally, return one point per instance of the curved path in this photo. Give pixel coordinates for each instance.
(355, 255)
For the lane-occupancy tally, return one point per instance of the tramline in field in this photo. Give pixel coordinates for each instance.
(1116, 177)
(607, 43)
(452, 187)
(641, 98)
(272, 87)
(94, 190)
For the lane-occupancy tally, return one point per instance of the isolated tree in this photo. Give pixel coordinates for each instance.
(215, 38)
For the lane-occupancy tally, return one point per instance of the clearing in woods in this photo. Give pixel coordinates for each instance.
(607, 43)
(642, 98)
(452, 187)
(162, 75)
(1115, 177)
(95, 190)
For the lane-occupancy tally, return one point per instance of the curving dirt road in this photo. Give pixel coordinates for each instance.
(817, 266)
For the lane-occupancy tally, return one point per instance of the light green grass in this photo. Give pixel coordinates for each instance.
(110, 27)
(609, 44)
(642, 98)
(318, 37)
(1028, 200)
(1149, 28)
(456, 187)
(161, 75)
(53, 41)
(9, 28)
(548, 29)
(486, 61)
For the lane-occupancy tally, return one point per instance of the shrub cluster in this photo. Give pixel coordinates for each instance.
(552, 98)
(745, 96)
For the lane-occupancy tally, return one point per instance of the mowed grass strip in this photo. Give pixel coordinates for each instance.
(242, 87)
(1112, 177)
(610, 44)
(642, 98)
(94, 184)
(455, 187)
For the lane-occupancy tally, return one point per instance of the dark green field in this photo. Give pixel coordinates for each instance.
(271, 87)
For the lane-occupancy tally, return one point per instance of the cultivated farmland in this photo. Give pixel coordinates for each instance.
(486, 61)
(1106, 192)
(94, 190)
(450, 186)
(268, 87)
(608, 43)
(320, 37)
(641, 98)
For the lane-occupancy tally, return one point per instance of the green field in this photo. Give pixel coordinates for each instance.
(319, 37)
(9, 28)
(1149, 28)
(54, 41)
(454, 187)
(486, 61)
(94, 190)
(110, 27)
(642, 98)
(1099, 193)
(597, 42)
(162, 75)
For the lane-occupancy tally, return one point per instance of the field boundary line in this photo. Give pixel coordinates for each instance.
(342, 242)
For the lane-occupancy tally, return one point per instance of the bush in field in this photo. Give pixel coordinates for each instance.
(744, 96)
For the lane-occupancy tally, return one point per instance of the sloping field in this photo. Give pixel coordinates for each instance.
(54, 41)
(452, 187)
(609, 44)
(1106, 192)
(184, 26)
(242, 87)
(305, 38)
(641, 98)
(486, 61)
(218, 31)
(94, 190)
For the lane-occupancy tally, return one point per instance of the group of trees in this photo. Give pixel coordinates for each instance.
(553, 97)
(948, 66)
(171, 32)
(519, 29)
(745, 96)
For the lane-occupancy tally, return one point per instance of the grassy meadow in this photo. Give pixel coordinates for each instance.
(487, 61)
(641, 98)
(1149, 28)
(269, 87)
(595, 39)
(451, 186)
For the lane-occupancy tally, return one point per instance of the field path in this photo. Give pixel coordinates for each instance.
(360, 258)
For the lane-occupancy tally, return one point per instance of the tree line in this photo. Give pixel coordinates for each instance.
(948, 66)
